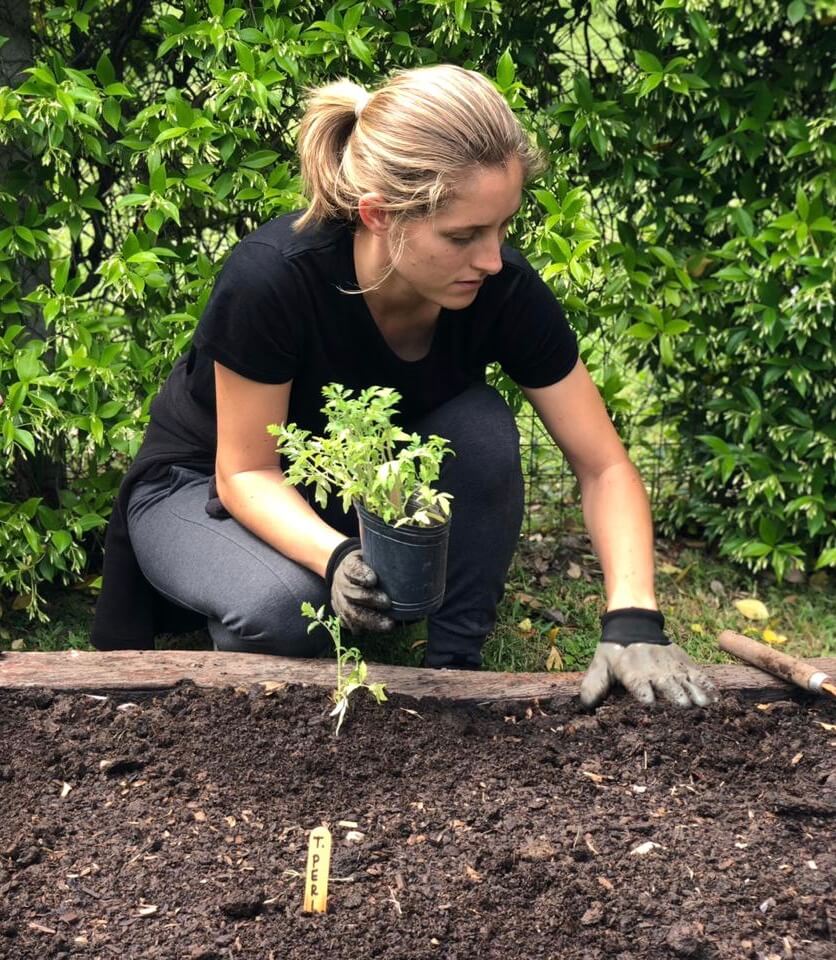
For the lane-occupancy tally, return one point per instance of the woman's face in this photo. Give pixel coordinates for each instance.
(447, 257)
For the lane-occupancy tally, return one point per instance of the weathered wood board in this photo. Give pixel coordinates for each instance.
(138, 672)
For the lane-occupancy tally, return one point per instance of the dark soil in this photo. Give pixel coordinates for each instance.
(506, 832)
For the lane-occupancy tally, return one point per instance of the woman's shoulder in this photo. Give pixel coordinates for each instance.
(279, 234)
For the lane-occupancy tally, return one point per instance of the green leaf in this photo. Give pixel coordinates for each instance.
(245, 58)
(663, 255)
(352, 17)
(648, 62)
(171, 134)
(505, 70)
(802, 204)
(112, 112)
(824, 224)
(642, 331)
(216, 7)
(700, 26)
(796, 11)
(104, 70)
(25, 439)
(260, 159)
(117, 90)
(359, 49)
(827, 558)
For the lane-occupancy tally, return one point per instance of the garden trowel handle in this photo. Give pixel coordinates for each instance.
(779, 664)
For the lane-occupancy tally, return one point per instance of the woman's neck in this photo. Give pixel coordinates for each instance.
(394, 301)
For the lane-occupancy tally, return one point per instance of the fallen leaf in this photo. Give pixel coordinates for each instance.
(573, 571)
(752, 609)
(19, 644)
(472, 874)
(354, 836)
(606, 884)
(669, 569)
(773, 638)
(830, 727)
(525, 625)
(148, 910)
(554, 661)
(643, 849)
(199, 816)
(528, 600)
(65, 789)
(272, 686)
(819, 580)
(697, 628)
(717, 588)
(796, 759)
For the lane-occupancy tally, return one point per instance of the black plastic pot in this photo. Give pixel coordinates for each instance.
(410, 562)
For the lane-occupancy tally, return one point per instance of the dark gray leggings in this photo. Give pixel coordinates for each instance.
(251, 594)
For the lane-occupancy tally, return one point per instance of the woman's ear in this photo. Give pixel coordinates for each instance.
(372, 215)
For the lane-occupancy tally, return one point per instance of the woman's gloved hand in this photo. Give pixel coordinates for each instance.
(354, 599)
(635, 652)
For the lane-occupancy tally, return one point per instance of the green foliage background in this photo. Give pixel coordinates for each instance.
(684, 224)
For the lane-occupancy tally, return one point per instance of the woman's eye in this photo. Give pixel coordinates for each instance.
(462, 241)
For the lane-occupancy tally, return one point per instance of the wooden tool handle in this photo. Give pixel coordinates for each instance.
(774, 662)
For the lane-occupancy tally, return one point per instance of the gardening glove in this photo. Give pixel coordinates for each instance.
(351, 584)
(635, 652)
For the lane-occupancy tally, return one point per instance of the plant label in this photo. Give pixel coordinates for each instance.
(316, 875)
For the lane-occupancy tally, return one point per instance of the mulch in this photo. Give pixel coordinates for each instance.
(177, 827)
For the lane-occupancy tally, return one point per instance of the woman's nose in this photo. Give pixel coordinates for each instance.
(488, 257)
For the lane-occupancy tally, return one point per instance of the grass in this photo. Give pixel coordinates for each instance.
(554, 597)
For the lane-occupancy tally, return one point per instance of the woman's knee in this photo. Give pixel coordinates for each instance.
(269, 620)
(484, 437)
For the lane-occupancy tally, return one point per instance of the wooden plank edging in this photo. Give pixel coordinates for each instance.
(153, 671)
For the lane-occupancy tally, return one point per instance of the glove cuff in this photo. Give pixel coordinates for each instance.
(633, 625)
(352, 543)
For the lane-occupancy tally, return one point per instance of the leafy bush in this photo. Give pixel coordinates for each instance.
(683, 225)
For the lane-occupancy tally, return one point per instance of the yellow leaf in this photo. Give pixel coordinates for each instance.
(773, 638)
(553, 633)
(524, 626)
(697, 628)
(669, 568)
(752, 609)
(554, 661)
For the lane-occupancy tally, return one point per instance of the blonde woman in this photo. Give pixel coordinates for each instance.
(397, 275)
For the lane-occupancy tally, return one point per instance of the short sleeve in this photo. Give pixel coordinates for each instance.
(536, 346)
(251, 324)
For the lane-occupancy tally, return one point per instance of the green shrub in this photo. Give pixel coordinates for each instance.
(683, 225)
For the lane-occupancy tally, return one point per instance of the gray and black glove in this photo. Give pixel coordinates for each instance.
(635, 652)
(351, 584)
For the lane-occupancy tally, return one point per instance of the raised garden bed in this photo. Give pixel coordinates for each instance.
(177, 827)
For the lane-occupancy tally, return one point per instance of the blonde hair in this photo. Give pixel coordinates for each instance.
(411, 141)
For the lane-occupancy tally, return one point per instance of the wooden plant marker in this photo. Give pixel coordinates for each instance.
(316, 875)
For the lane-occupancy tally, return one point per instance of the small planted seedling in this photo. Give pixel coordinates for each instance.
(351, 667)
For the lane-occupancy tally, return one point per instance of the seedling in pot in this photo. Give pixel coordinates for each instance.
(351, 667)
(387, 474)
(367, 459)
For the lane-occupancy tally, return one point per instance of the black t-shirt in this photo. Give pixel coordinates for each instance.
(279, 312)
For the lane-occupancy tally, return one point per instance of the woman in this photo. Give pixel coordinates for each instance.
(395, 275)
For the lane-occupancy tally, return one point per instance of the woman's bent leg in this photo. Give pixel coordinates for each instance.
(250, 593)
(485, 478)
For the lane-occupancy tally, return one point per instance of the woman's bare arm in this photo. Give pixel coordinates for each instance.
(251, 484)
(615, 504)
